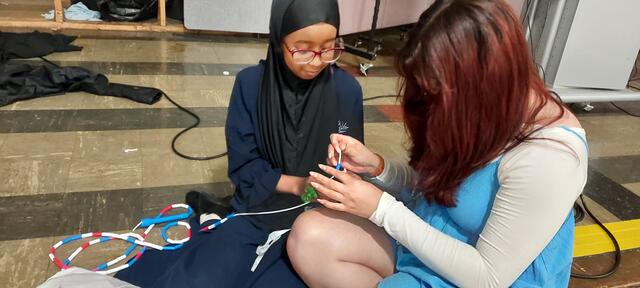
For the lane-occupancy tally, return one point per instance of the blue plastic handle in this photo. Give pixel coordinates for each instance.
(146, 222)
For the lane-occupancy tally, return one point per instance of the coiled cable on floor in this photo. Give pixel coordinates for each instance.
(175, 138)
(618, 254)
(624, 110)
(185, 130)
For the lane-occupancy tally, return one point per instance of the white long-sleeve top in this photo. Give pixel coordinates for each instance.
(539, 182)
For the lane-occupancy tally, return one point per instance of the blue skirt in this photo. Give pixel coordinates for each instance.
(220, 258)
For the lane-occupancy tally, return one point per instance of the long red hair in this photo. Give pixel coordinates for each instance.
(466, 80)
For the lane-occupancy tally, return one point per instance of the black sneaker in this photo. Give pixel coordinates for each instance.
(205, 203)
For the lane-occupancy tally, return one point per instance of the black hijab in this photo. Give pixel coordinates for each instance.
(296, 116)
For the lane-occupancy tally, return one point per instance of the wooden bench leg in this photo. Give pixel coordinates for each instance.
(162, 12)
(58, 11)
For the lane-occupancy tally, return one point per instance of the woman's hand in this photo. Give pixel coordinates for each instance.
(352, 194)
(355, 156)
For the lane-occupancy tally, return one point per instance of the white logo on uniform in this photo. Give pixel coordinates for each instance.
(342, 127)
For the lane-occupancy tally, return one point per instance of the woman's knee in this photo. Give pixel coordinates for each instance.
(309, 230)
(329, 232)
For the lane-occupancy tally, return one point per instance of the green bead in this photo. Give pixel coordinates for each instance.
(309, 194)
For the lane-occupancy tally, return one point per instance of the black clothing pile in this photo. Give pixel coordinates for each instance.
(133, 10)
(22, 81)
(35, 44)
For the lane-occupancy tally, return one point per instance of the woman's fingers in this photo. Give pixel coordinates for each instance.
(339, 141)
(332, 155)
(347, 165)
(332, 205)
(335, 141)
(326, 182)
(353, 175)
(328, 193)
(342, 176)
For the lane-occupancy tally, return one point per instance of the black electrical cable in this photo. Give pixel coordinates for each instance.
(378, 97)
(49, 62)
(578, 212)
(197, 123)
(194, 125)
(175, 138)
(618, 254)
(624, 110)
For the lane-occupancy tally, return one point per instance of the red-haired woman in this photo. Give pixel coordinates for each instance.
(496, 163)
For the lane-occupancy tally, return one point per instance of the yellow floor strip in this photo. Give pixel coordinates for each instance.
(592, 240)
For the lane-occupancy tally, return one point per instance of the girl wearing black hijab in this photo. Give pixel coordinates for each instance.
(280, 116)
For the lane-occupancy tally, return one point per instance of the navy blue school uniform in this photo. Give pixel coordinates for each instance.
(224, 257)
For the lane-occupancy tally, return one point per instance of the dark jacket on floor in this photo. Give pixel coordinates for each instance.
(34, 44)
(22, 81)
